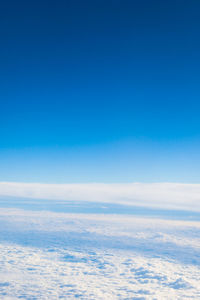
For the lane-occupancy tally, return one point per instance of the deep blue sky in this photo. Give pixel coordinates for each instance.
(100, 91)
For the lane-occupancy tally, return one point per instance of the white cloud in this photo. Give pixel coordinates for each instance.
(102, 257)
(161, 195)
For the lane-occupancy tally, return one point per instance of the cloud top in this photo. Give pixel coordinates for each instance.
(160, 195)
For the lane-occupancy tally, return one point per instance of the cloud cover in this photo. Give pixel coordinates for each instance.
(157, 195)
(98, 257)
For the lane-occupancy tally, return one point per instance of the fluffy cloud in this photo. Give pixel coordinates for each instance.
(102, 257)
(161, 195)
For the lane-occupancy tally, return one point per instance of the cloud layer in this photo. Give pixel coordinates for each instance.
(160, 195)
(98, 257)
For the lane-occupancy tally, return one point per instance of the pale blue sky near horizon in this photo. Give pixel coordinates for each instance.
(122, 161)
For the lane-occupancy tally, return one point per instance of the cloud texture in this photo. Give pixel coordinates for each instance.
(98, 257)
(160, 195)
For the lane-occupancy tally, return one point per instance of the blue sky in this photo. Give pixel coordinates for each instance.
(99, 91)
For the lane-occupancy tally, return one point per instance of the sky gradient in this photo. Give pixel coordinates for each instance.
(100, 91)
